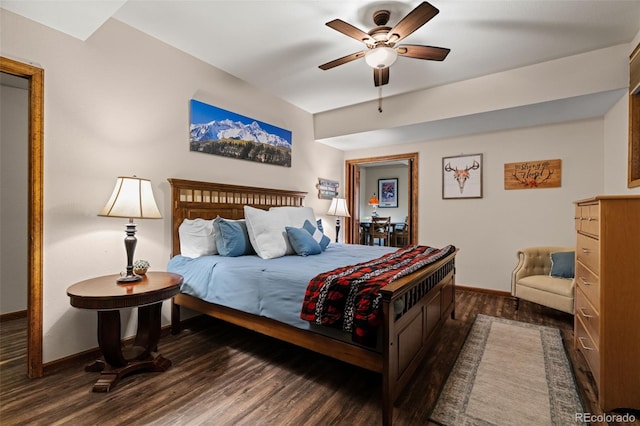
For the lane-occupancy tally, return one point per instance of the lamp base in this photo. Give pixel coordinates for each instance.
(130, 242)
(130, 279)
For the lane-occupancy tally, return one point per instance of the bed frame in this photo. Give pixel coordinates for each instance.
(427, 295)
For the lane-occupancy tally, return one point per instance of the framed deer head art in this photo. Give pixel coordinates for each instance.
(462, 176)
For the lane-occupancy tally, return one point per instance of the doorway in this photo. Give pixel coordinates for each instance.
(35, 78)
(353, 193)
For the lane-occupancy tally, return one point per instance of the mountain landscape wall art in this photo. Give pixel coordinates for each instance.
(219, 132)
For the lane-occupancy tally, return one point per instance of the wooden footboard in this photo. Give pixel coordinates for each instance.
(427, 298)
(414, 307)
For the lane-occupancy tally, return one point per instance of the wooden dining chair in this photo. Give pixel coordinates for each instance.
(401, 234)
(364, 233)
(380, 229)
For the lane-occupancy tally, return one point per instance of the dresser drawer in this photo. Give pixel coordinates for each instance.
(585, 345)
(588, 252)
(589, 316)
(589, 283)
(589, 218)
(577, 218)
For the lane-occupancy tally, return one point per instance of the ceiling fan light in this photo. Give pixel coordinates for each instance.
(381, 57)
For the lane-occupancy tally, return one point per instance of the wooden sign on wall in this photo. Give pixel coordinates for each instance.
(533, 174)
(327, 189)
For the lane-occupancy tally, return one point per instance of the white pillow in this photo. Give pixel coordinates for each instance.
(197, 238)
(297, 215)
(267, 231)
(296, 218)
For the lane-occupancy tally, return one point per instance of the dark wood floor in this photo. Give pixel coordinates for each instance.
(223, 375)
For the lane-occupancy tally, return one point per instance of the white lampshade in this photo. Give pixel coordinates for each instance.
(381, 57)
(132, 198)
(338, 208)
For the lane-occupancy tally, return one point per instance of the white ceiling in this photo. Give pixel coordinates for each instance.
(278, 45)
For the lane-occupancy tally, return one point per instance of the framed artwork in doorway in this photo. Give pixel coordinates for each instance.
(388, 192)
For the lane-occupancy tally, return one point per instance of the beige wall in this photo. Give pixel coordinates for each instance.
(616, 149)
(118, 104)
(616, 137)
(588, 73)
(369, 176)
(13, 198)
(489, 230)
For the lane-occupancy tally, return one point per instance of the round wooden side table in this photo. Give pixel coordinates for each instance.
(106, 296)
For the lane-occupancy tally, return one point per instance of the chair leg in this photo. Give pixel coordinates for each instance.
(516, 303)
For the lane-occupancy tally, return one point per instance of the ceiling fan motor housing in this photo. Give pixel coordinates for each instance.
(381, 17)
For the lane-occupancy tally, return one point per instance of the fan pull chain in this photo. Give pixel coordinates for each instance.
(380, 90)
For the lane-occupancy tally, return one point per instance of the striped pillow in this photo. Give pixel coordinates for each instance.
(322, 239)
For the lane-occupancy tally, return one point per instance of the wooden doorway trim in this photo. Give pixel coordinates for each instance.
(352, 193)
(35, 76)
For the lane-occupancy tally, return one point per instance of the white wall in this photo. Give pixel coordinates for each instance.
(588, 73)
(118, 104)
(13, 198)
(489, 230)
(616, 137)
(616, 149)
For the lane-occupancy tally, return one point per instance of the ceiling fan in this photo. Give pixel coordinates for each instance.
(382, 49)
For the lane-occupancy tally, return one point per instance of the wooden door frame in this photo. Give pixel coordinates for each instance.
(35, 76)
(352, 194)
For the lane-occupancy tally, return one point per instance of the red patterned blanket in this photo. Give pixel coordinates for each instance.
(349, 297)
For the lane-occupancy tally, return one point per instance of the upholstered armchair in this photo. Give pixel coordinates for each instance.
(532, 280)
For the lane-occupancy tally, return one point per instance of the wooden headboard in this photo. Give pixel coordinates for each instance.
(192, 199)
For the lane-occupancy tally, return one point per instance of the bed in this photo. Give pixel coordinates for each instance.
(414, 307)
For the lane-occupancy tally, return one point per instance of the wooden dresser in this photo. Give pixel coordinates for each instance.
(607, 299)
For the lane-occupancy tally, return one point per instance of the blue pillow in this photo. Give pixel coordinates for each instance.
(232, 237)
(317, 234)
(302, 241)
(563, 264)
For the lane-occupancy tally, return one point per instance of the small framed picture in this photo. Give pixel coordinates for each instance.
(388, 192)
(462, 176)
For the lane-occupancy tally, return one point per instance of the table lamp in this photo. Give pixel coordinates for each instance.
(373, 201)
(338, 208)
(132, 198)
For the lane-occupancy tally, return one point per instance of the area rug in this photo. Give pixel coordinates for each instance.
(509, 373)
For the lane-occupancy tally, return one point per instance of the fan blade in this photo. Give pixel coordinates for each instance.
(349, 30)
(423, 52)
(414, 20)
(342, 60)
(380, 76)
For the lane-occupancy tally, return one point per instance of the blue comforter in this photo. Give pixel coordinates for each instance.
(272, 288)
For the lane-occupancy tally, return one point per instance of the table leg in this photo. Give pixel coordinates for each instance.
(137, 357)
(109, 338)
(148, 328)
